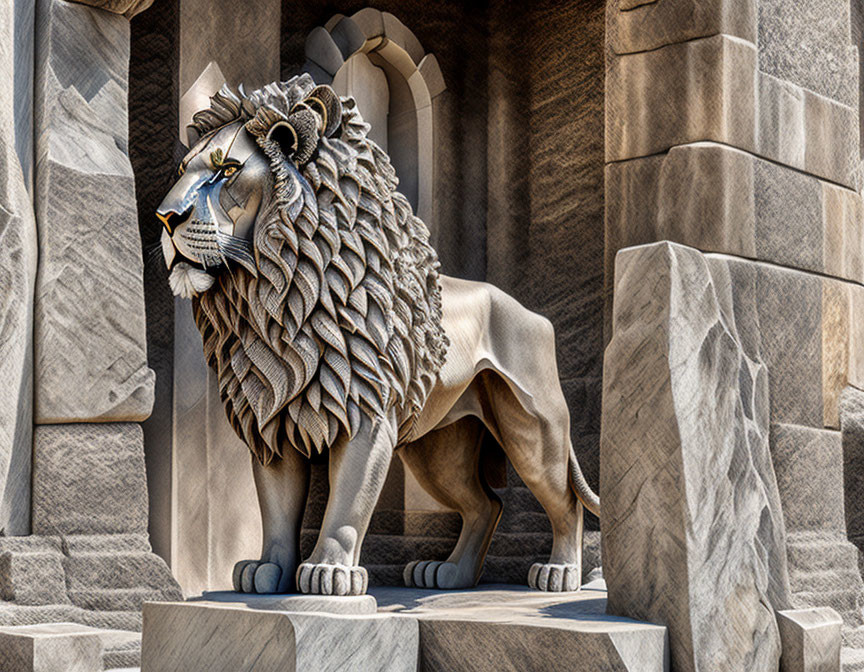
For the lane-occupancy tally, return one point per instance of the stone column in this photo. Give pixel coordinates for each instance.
(17, 271)
(89, 558)
(733, 127)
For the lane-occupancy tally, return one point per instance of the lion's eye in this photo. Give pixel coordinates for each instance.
(180, 170)
(228, 171)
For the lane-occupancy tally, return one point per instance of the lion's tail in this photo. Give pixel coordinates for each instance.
(580, 486)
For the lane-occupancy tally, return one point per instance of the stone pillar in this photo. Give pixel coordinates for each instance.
(17, 272)
(733, 127)
(89, 559)
(693, 534)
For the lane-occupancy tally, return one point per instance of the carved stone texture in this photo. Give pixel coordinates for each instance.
(90, 347)
(17, 277)
(852, 432)
(128, 8)
(50, 648)
(711, 89)
(809, 44)
(199, 638)
(693, 533)
(641, 25)
(811, 640)
(720, 199)
(89, 479)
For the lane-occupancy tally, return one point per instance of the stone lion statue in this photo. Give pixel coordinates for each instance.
(332, 333)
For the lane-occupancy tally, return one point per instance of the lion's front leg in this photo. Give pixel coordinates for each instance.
(282, 488)
(358, 468)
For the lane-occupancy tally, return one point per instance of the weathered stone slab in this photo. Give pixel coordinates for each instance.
(693, 533)
(60, 647)
(642, 25)
(90, 348)
(720, 199)
(201, 638)
(498, 628)
(811, 640)
(89, 479)
(354, 605)
(711, 89)
(17, 278)
(810, 44)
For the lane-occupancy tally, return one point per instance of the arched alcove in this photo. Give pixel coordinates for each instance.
(375, 58)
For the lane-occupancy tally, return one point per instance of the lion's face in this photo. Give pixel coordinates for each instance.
(210, 212)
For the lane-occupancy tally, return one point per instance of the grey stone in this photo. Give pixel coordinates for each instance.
(808, 43)
(811, 640)
(128, 8)
(90, 346)
(323, 51)
(61, 647)
(641, 25)
(711, 89)
(509, 628)
(693, 533)
(198, 637)
(89, 479)
(348, 36)
(720, 199)
(17, 278)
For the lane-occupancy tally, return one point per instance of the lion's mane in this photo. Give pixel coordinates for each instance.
(343, 318)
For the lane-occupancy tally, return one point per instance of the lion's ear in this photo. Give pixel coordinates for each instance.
(325, 101)
(297, 136)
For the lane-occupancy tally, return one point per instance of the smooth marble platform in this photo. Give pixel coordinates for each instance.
(491, 627)
(355, 605)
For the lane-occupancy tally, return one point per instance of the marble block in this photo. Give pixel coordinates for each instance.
(89, 323)
(89, 479)
(506, 628)
(56, 647)
(693, 532)
(18, 260)
(811, 640)
(197, 637)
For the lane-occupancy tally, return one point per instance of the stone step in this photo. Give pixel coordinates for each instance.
(841, 578)
(115, 570)
(121, 649)
(846, 603)
(814, 551)
(117, 599)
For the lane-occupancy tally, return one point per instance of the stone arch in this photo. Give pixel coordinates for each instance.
(373, 56)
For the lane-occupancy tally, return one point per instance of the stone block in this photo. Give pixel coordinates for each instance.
(811, 640)
(32, 578)
(809, 467)
(90, 350)
(89, 479)
(323, 51)
(348, 605)
(710, 89)
(808, 44)
(60, 647)
(642, 25)
(509, 628)
(348, 36)
(18, 256)
(720, 199)
(693, 533)
(200, 638)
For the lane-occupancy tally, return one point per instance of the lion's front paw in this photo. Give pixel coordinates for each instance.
(254, 576)
(554, 578)
(324, 579)
(435, 574)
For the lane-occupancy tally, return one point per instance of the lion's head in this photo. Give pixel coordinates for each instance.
(313, 284)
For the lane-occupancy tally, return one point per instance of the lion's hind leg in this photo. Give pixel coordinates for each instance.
(446, 463)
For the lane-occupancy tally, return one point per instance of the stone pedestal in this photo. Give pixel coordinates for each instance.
(500, 628)
(811, 640)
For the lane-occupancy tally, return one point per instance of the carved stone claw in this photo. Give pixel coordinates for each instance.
(253, 576)
(434, 574)
(554, 578)
(324, 579)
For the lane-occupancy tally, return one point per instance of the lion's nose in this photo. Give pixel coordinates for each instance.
(171, 217)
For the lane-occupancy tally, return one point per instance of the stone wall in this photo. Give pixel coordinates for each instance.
(734, 128)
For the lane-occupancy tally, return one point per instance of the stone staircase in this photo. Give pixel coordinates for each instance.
(98, 581)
